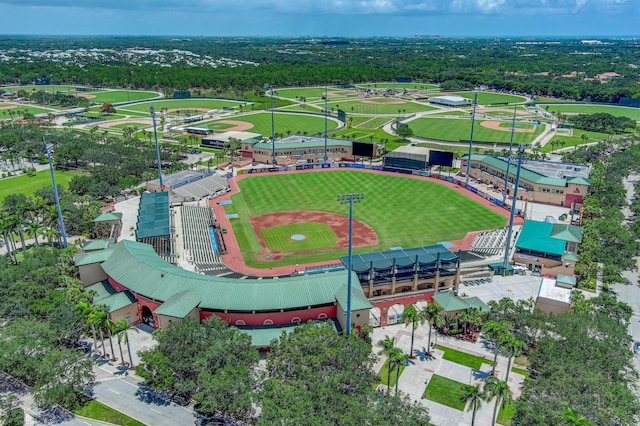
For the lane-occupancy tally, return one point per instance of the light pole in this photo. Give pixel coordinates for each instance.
(505, 264)
(506, 178)
(326, 126)
(350, 199)
(49, 150)
(473, 121)
(155, 135)
(273, 133)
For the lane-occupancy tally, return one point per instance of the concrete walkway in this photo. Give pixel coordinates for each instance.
(418, 373)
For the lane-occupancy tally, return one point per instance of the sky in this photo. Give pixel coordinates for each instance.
(348, 18)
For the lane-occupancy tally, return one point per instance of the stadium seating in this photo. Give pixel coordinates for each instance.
(209, 186)
(196, 224)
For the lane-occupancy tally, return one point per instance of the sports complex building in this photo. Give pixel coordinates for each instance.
(560, 184)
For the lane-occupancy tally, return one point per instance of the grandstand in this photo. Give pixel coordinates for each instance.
(203, 242)
(190, 185)
(490, 243)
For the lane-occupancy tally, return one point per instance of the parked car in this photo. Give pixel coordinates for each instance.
(194, 151)
(636, 348)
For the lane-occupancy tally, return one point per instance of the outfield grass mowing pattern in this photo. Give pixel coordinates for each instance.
(446, 392)
(377, 109)
(371, 123)
(394, 85)
(309, 92)
(456, 130)
(317, 236)
(113, 96)
(403, 211)
(618, 111)
(181, 104)
(296, 123)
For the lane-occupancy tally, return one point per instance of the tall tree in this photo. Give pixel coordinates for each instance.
(499, 390)
(473, 397)
(413, 317)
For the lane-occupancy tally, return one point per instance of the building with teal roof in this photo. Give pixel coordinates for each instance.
(548, 248)
(560, 184)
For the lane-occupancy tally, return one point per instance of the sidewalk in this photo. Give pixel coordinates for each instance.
(418, 373)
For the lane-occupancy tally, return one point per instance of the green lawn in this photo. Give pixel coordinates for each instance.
(50, 88)
(488, 98)
(384, 373)
(394, 206)
(310, 92)
(29, 185)
(463, 358)
(618, 111)
(506, 414)
(296, 123)
(364, 135)
(98, 411)
(113, 96)
(359, 107)
(525, 373)
(458, 130)
(133, 124)
(20, 109)
(575, 140)
(370, 123)
(104, 116)
(317, 236)
(181, 104)
(446, 392)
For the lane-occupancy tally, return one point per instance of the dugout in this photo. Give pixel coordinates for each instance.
(400, 270)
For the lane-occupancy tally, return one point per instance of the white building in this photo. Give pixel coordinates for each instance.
(452, 101)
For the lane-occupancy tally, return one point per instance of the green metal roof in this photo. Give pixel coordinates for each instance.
(301, 145)
(577, 180)
(153, 215)
(92, 257)
(525, 174)
(106, 295)
(179, 305)
(137, 266)
(401, 257)
(570, 256)
(107, 217)
(562, 231)
(536, 236)
(449, 302)
(263, 336)
(96, 245)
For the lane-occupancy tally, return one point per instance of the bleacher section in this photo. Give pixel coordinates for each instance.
(202, 240)
(209, 186)
(490, 243)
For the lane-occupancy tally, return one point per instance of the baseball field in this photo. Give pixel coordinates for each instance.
(395, 211)
(456, 130)
(284, 123)
(632, 113)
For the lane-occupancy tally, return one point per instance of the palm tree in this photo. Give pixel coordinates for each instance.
(495, 331)
(413, 316)
(399, 359)
(435, 318)
(365, 332)
(473, 396)
(389, 349)
(122, 331)
(570, 417)
(98, 319)
(499, 390)
(86, 309)
(514, 348)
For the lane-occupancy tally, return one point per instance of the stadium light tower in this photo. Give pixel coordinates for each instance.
(473, 121)
(506, 177)
(273, 133)
(49, 150)
(326, 127)
(505, 264)
(155, 135)
(350, 199)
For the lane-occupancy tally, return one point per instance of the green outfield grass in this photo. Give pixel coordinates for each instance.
(310, 92)
(131, 124)
(113, 96)
(305, 108)
(317, 236)
(296, 123)
(396, 85)
(632, 113)
(28, 185)
(451, 113)
(51, 88)
(395, 207)
(454, 130)
(18, 110)
(181, 104)
(104, 116)
(574, 140)
(370, 123)
(519, 125)
(378, 109)
(487, 98)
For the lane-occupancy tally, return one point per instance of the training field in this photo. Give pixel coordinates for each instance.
(113, 96)
(28, 185)
(284, 123)
(19, 110)
(182, 104)
(488, 98)
(456, 130)
(312, 92)
(397, 210)
(632, 113)
(422, 86)
(378, 106)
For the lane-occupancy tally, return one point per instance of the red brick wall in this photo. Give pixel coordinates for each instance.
(277, 317)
